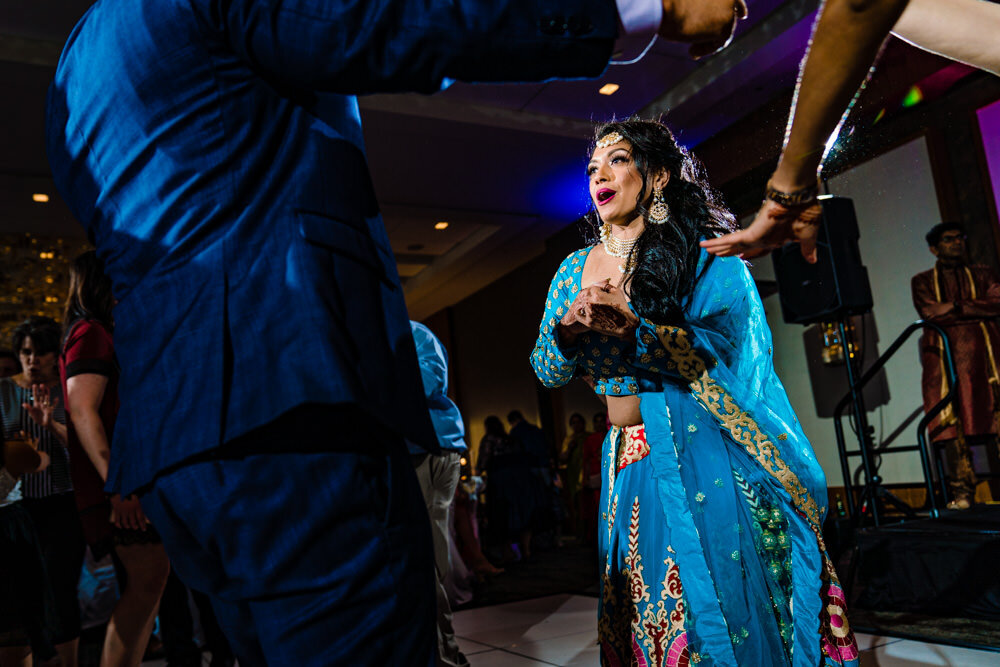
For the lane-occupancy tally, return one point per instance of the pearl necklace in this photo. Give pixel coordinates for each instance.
(616, 247)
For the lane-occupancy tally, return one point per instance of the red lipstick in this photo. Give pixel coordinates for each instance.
(604, 195)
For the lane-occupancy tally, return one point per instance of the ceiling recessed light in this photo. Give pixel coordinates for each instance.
(40, 197)
(441, 225)
(609, 89)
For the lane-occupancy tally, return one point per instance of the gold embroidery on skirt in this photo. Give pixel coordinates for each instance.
(630, 619)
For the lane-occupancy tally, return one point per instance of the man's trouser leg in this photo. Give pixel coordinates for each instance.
(961, 476)
(317, 555)
(438, 477)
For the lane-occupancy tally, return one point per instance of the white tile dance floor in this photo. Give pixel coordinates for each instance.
(559, 630)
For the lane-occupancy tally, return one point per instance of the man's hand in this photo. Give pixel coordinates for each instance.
(938, 310)
(774, 226)
(708, 25)
(127, 513)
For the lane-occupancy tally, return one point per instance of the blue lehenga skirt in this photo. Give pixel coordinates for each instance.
(742, 523)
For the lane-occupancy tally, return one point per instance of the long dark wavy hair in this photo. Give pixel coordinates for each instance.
(89, 292)
(665, 258)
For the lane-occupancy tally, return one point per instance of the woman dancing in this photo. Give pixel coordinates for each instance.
(711, 506)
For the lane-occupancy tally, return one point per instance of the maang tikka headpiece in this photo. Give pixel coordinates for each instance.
(609, 139)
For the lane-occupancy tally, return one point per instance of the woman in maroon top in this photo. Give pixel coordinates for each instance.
(89, 373)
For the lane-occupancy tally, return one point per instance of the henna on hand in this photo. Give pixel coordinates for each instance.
(608, 319)
(603, 308)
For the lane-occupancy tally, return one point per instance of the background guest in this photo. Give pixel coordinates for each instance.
(27, 607)
(89, 373)
(8, 363)
(571, 456)
(965, 300)
(590, 496)
(535, 445)
(532, 439)
(466, 524)
(511, 492)
(438, 475)
(32, 402)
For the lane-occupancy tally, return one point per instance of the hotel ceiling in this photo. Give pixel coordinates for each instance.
(502, 164)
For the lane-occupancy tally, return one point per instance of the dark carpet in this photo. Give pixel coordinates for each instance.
(969, 632)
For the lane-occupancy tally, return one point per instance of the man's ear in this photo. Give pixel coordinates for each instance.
(934, 250)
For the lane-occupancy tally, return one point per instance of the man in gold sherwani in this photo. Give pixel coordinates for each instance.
(965, 301)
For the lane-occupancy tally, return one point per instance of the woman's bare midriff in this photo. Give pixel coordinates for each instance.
(624, 410)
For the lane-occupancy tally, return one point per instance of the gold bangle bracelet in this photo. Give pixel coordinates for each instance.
(791, 199)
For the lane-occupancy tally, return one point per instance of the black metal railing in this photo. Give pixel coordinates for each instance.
(865, 451)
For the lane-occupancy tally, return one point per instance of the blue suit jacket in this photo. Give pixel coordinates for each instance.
(213, 151)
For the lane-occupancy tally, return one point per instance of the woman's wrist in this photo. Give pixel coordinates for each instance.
(792, 175)
(631, 327)
(804, 196)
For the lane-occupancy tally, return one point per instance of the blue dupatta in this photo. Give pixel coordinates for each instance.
(723, 353)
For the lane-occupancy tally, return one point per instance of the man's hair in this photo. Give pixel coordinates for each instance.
(937, 231)
(9, 354)
(514, 415)
(44, 332)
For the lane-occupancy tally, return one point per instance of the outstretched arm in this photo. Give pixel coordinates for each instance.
(963, 30)
(361, 47)
(830, 78)
(421, 45)
(846, 39)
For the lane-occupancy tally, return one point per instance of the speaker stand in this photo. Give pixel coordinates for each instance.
(873, 495)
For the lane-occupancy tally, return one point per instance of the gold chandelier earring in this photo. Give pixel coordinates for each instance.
(659, 212)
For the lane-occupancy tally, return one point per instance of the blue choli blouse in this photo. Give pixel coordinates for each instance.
(619, 367)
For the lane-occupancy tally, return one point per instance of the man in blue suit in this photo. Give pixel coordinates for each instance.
(213, 151)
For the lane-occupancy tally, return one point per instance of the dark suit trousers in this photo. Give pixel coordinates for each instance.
(312, 541)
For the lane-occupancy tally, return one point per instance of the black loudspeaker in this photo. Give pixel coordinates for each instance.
(837, 284)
